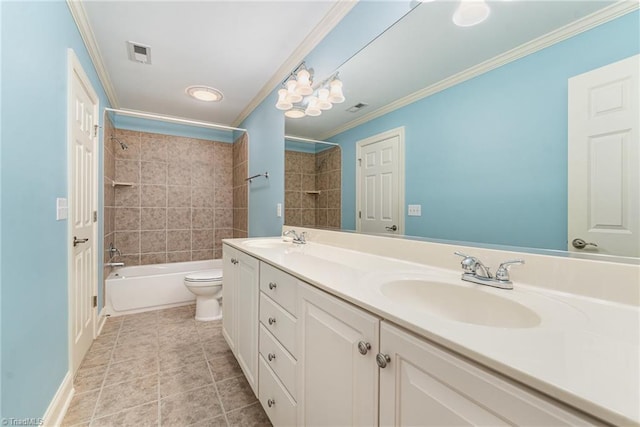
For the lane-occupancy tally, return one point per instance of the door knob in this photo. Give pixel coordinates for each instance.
(77, 241)
(581, 244)
(392, 228)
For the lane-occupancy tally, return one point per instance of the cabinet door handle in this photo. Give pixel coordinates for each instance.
(271, 357)
(364, 347)
(382, 360)
(271, 402)
(272, 320)
(272, 285)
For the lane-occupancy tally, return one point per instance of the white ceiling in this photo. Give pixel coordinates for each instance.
(233, 46)
(425, 48)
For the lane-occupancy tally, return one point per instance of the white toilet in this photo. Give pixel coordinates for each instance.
(206, 285)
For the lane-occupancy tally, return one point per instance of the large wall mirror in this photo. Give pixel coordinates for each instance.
(482, 117)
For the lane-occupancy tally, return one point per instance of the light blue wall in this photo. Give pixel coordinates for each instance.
(35, 38)
(175, 129)
(487, 159)
(265, 126)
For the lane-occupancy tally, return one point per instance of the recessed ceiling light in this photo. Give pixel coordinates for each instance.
(204, 93)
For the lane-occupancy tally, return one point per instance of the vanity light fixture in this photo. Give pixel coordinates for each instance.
(204, 93)
(299, 97)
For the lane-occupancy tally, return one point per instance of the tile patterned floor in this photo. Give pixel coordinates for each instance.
(162, 368)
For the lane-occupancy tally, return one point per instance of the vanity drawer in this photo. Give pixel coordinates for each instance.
(279, 322)
(280, 286)
(279, 359)
(277, 403)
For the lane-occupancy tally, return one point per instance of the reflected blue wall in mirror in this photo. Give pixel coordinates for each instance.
(164, 128)
(497, 140)
(265, 126)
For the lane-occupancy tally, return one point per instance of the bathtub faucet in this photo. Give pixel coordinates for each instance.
(114, 264)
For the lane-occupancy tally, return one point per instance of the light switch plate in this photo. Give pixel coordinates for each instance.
(279, 210)
(415, 210)
(62, 209)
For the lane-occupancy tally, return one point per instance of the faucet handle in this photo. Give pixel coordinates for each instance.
(469, 264)
(503, 270)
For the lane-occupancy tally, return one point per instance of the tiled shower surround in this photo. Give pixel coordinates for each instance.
(313, 188)
(173, 198)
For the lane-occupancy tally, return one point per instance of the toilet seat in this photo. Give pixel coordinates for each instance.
(204, 276)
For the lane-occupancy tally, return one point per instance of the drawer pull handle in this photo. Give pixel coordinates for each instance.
(271, 402)
(364, 347)
(272, 320)
(382, 360)
(272, 285)
(271, 357)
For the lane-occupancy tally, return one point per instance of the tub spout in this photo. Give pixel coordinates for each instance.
(114, 264)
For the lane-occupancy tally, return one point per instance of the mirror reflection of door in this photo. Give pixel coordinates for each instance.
(604, 170)
(380, 183)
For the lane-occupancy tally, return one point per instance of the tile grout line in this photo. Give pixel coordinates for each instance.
(215, 384)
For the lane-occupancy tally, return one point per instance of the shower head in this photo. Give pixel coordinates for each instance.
(122, 144)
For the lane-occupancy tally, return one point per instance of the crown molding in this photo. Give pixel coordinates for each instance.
(330, 20)
(82, 22)
(584, 24)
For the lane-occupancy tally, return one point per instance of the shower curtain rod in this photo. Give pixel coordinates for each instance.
(171, 119)
(297, 138)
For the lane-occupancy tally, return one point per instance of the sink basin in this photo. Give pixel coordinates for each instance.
(266, 243)
(461, 303)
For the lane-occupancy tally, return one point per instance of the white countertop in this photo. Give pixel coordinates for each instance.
(585, 352)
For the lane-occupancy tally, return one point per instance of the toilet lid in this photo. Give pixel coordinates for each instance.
(204, 276)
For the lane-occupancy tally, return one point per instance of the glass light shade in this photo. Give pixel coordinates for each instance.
(204, 93)
(470, 12)
(283, 103)
(295, 113)
(312, 108)
(323, 99)
(335, 94)
(292, 95)
(304, 83)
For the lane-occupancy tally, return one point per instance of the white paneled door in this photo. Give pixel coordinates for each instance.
(380, 183)
(604, 160)
(82, 134)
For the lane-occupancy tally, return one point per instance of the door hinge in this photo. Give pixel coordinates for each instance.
(95, 216)
(95, 130)
(359, 162)
(359, 214)
(95, 301)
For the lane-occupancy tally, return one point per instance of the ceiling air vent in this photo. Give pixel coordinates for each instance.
(139, 52)
(359, 106)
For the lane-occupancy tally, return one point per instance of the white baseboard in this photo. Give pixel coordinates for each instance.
(101, 320)
(58, 407)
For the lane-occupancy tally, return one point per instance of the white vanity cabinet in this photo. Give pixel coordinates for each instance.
(240, 309)
(337, 372)
(424, 384)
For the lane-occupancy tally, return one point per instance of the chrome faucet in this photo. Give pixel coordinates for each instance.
(299, 239)
(476, 272)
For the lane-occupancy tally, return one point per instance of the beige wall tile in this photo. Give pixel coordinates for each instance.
(178, 196)
(127, 171)
(293, 181)
(202, 255)
(321, 217)
(153, 147)
(308, 217)
(201, 218)
(153, 241)
(128, 241)
(202, 197)
(127, 219)
(157, 258)
(292, 199)
(222, 233)
(223, 155)
(309, 201)
(178, 149)
(202, 239)
(128, 260)
(153, 173)
(223, 197)
(179, 256)
(127, 196)
(178, 218)
(153, 219)
(202, 174)
(333, 218)
(132, 139)
(223, 218)
(333, 199)
(178, 240)
(179, 172)
(153, 195)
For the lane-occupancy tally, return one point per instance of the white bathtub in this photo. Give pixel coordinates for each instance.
(151, 287)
